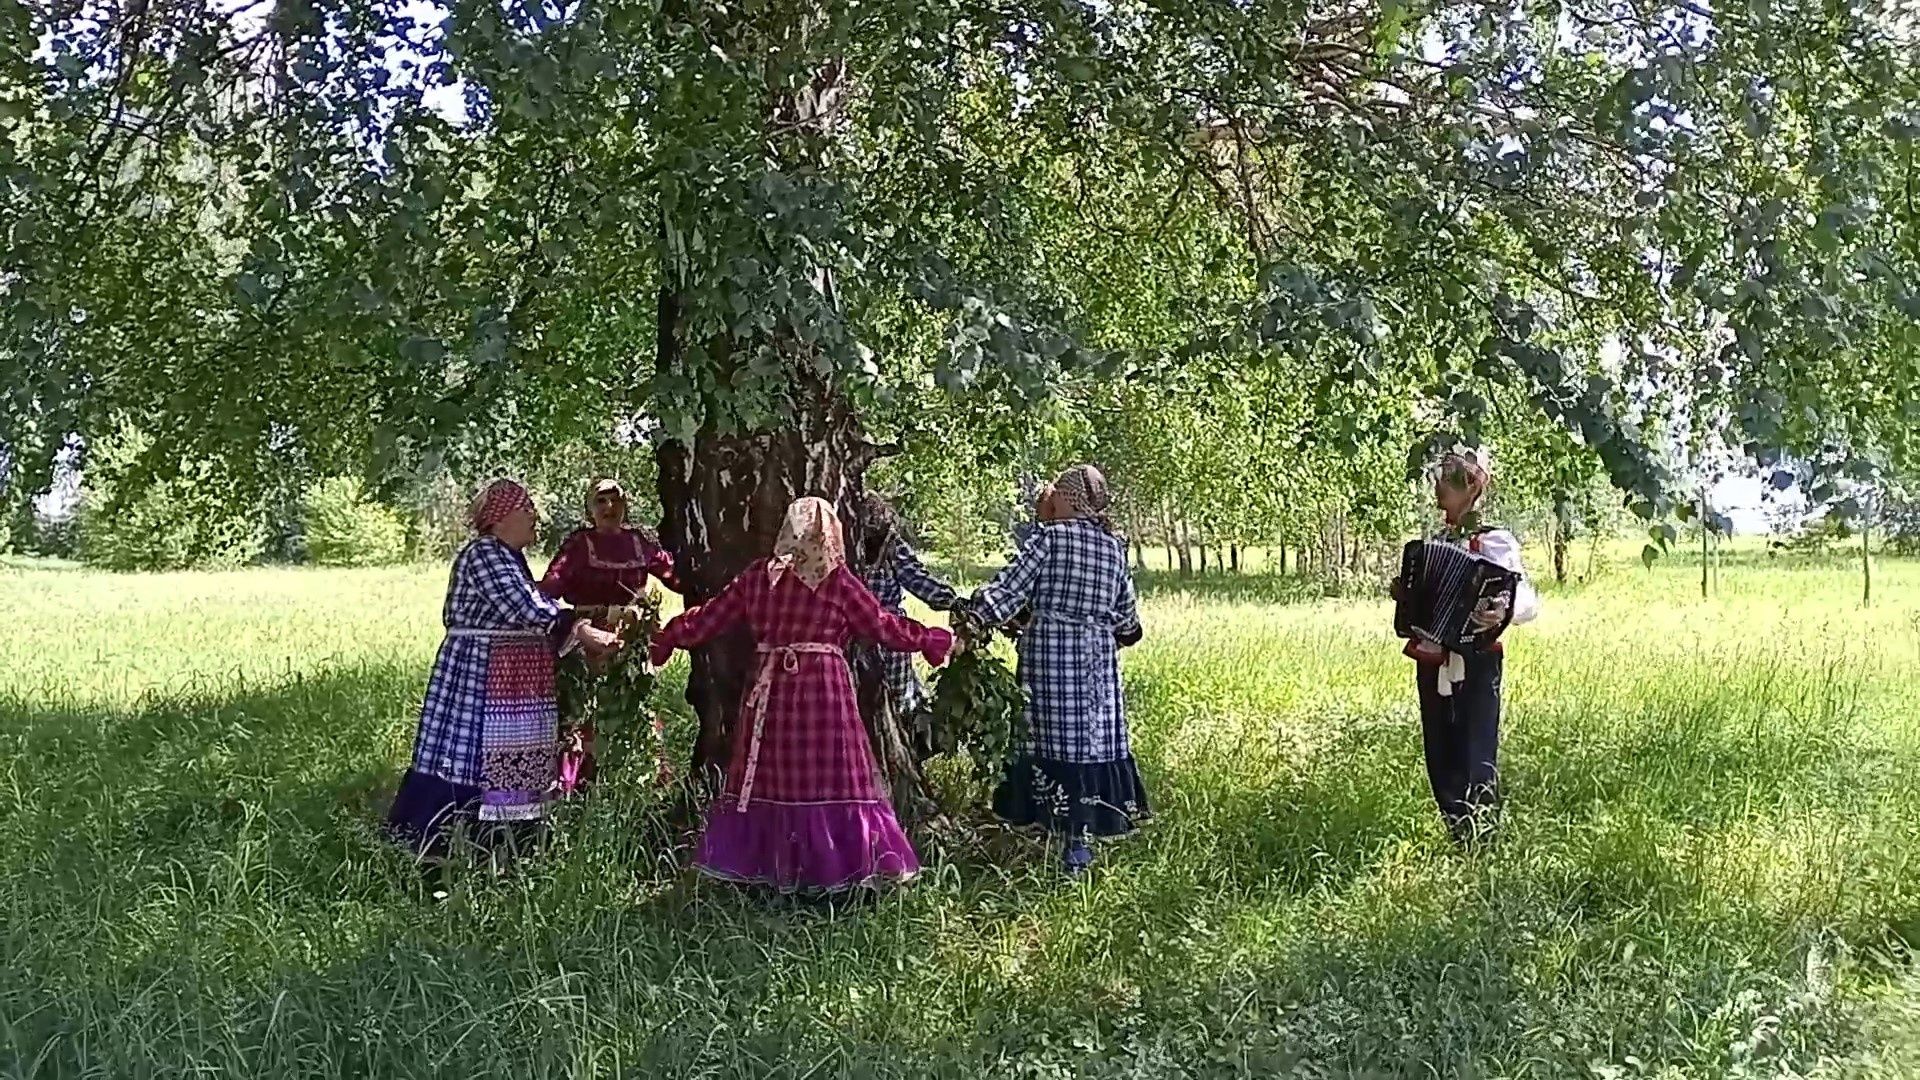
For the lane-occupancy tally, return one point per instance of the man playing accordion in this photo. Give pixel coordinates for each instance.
(1455, 596)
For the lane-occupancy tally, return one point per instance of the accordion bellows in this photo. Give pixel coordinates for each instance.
(1439, 588)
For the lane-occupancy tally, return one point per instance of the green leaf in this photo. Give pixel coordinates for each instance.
(1389, 27)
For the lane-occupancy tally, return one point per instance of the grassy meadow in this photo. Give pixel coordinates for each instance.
(1712, 859)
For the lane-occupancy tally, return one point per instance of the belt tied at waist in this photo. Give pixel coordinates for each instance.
(484, 634)
(775, 659)
(1079, 622)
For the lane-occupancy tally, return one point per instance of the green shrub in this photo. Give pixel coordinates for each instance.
(128, 520)
(438, 523)
(170, 525)
(346, 528)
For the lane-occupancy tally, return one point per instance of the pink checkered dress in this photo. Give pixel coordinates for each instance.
(813, 745)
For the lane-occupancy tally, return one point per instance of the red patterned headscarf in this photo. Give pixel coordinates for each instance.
(810, 543)
(495, 502)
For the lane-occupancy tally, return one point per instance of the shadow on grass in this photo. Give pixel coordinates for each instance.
(173, 780)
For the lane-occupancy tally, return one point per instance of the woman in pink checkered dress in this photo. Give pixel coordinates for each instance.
(804, 807)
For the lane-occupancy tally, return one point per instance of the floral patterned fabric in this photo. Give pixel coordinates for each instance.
(810, 544)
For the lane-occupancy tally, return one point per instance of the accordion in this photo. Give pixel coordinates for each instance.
(1440, 587)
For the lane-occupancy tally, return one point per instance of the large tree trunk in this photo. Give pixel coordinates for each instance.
(723, 497)
(722, 501)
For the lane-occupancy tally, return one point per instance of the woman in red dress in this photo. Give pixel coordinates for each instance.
(606, 563)
(601, 567)
(804, 807)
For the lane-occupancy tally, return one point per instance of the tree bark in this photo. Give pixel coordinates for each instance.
(1235, 550)
(1866, 561)
(1705, 535)
(1560, 530)
(1173, 559)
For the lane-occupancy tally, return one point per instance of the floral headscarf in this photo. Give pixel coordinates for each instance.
(1082, 492)
(495, 502)
(606, 487)
(1466, 470)
(810, 543)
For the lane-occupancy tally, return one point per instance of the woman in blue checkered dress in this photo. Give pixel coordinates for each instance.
(1077, 776)
(487, 749)
(895, 570)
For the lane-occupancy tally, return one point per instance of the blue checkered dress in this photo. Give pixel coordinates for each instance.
(891, 580)
(490, 589)
(1074, 576)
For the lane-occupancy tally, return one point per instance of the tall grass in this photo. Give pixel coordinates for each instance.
(1711, 863)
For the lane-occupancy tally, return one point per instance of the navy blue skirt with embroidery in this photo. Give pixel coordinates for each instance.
(427, 808)
(430, 814)
(1082, 800)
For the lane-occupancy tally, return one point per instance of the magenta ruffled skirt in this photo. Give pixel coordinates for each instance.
(813, 847)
